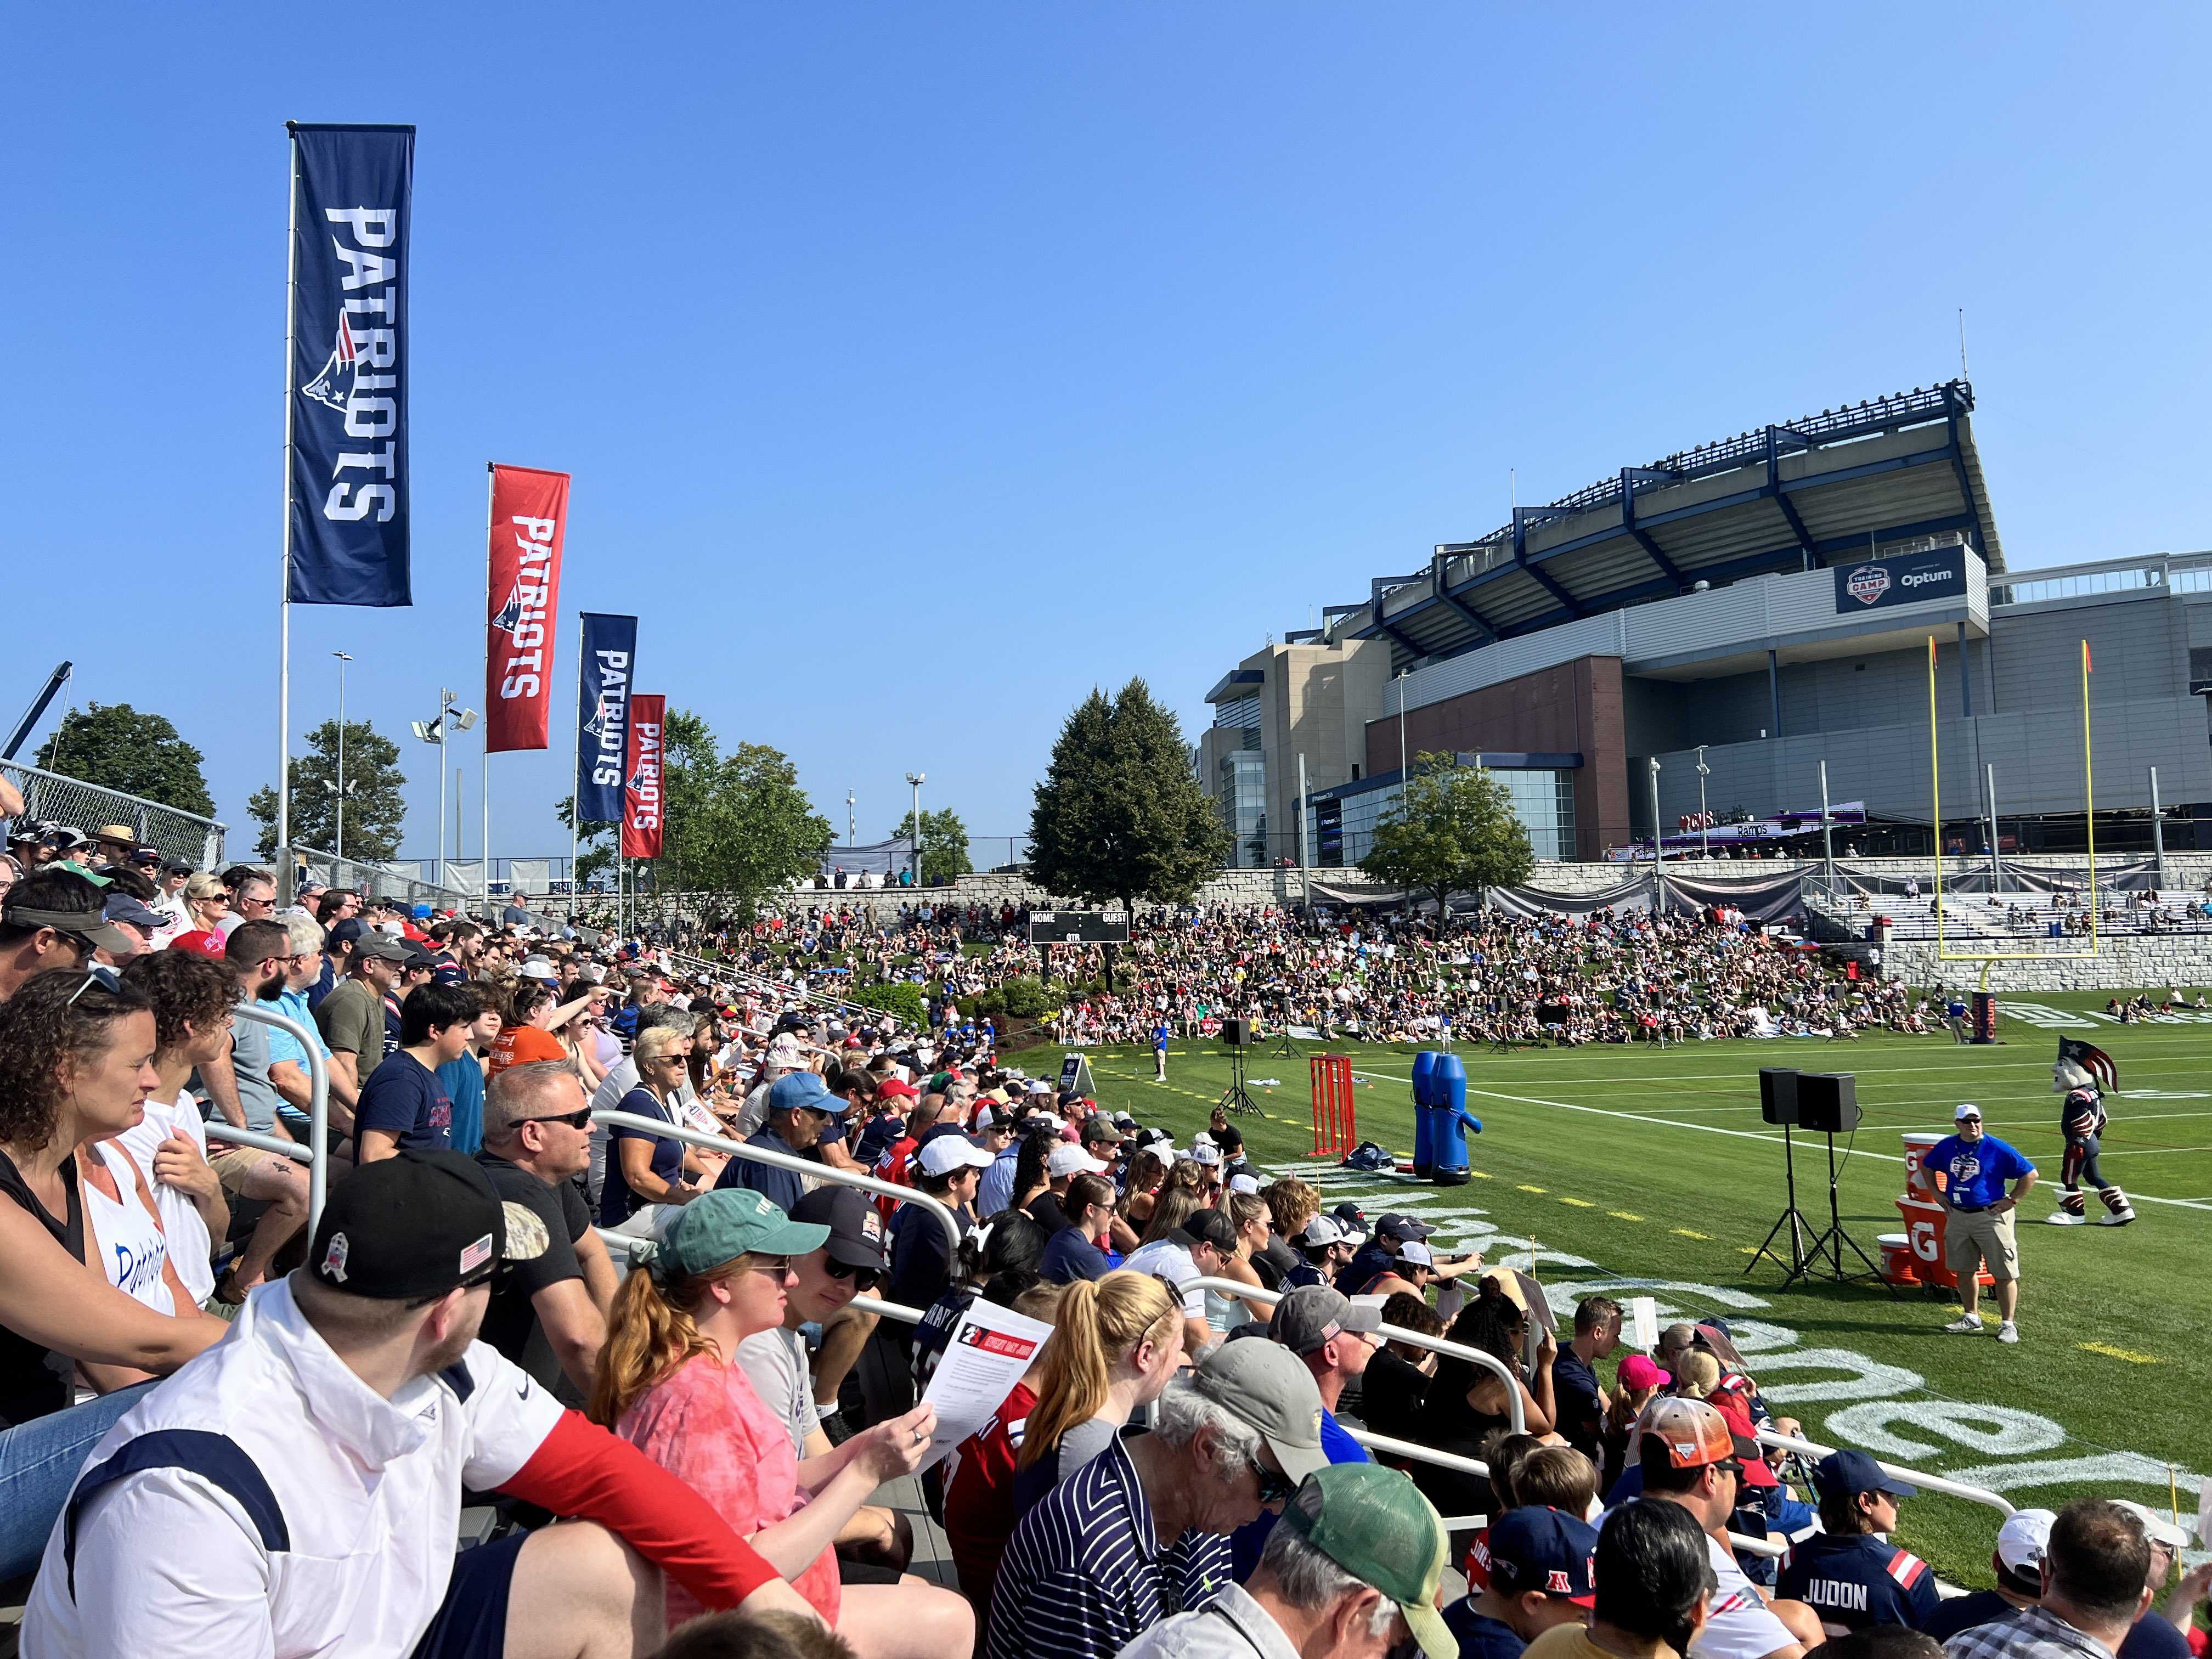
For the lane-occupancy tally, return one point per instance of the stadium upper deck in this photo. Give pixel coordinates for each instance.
(1845, 482)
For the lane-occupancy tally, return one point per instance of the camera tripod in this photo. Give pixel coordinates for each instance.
(1237, 1099)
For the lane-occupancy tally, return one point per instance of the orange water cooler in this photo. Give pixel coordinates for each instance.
(1916, 1256)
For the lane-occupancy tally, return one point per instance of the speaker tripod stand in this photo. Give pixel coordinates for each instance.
(1830, 1246)
(1237, 1099)
(1799, 1224)
(1284, 1045)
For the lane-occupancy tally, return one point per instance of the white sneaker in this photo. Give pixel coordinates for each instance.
(1966, 1325)
(2066, 1218)
(2116, 1220)
(2008, 1331)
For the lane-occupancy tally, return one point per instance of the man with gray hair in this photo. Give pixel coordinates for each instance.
(548, 1314)
(1141, 1530)
(1352, 1572)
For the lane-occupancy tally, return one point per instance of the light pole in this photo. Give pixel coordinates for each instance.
(1401, 678)
(1658, 845)
(917, 779)
(1704, 822)
(852, 833)
(342, 660)
(433, 731)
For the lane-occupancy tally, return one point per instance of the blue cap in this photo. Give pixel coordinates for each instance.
(1846, 1473)
(1541, 1549)
(422, 911)
(797, 1091)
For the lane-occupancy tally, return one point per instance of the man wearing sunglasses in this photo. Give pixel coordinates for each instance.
(53, 919)
(820, 1291)
(549, 1315)
(1691, 1457)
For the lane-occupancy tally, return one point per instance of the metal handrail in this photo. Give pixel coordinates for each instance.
(1490, 1362)
(761, 983)
(319, 1104)
(797, 1165)
(1916, 1477)
(219, 1130)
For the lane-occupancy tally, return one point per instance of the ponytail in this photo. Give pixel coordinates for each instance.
(651, 1332)
(1099, 1325)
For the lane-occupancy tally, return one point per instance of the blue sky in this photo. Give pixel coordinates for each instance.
(921, 366)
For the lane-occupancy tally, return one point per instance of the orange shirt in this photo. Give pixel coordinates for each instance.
(519, 1045)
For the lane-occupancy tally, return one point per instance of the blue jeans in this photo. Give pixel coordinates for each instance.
(39, 1461)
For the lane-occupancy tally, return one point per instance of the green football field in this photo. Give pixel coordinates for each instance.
(1637, 1172)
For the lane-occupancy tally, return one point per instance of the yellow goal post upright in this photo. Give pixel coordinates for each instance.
(1943, 952)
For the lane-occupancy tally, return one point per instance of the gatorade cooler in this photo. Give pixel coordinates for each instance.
(1925, 1222)
(1899, 1266)
(1917, 1147)
(1425, 1065)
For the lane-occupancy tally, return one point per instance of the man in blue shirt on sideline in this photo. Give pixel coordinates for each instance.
(1975, 1167)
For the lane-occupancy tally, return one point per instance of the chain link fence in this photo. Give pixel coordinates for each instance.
(54, 799)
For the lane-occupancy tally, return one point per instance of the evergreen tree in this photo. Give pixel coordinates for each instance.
(1118, 815)
(943, 844)
(115, 746)
(1454, 830)
(374, 809)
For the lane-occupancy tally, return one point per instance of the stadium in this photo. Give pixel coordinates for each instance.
(1737, 615)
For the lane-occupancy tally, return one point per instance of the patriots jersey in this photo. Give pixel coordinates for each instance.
(1853, 1582)
(2083, 1114)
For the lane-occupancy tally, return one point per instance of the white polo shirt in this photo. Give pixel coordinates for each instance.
(347, 1544)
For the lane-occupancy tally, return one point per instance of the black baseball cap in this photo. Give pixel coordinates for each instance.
(856, 1232)
(1208, 1227)
(412, 1227)
(1403, 1228)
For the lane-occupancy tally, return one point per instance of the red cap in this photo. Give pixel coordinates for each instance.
(1755, 1471)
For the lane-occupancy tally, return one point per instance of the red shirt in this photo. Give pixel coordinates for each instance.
(979, 1505)
(893, 1166)
(205, 940)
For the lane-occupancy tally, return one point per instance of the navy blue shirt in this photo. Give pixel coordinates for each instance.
(1068, 1256)
(1855, 1580)
(1479, 1636)
(2152, 1637)
(404, 1098)
(1364, 1268)
(781, 1187)
(1581, 1415)
(617, 1203)
(1965, 1611)
(1976, 1174)
(922, 1270)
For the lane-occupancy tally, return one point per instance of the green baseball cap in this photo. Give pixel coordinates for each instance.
(726, 1223)
(1374, 1523)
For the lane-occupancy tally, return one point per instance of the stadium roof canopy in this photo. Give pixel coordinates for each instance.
(1875, 476)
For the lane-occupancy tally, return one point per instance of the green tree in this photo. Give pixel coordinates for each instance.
(115, 746)
(1453, 831)
(374, 809)
(1118, 815)
(943, 844)
(737, 824)
(595, 843)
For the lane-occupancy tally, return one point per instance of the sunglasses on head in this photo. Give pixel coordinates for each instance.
(864, 1278)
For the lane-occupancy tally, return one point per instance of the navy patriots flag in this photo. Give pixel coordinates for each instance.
(348, 418)
(607, 672)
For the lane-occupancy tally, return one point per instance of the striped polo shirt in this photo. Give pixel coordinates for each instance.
(1083, 1575)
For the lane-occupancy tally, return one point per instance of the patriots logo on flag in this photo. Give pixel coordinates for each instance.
(636, 784)
(597, 725)
(509, 616)
(334, 386)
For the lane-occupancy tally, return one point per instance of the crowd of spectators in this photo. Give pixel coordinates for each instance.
(220, 1433)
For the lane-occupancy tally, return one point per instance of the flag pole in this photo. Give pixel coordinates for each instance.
(491, 915)
(575, 776)
(285, 878)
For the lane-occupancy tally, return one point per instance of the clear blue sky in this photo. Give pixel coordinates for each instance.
(921, 366)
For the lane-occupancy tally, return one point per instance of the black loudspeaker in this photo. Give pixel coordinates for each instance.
(1237, 1033)
(1828, 1101)
(1777, 1094)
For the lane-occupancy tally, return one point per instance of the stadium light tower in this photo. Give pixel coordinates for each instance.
(1658, 836)
(917, 779)
(433, 731)
(1705, 823)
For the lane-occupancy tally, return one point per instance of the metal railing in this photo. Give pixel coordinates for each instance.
(319, 1112)
(751, 979)
(1919, 1478)
(55, 798)
(796, 1164)
(1489, 1362)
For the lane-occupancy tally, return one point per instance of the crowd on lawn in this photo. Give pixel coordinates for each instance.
(1607, 977)
(221, 1433)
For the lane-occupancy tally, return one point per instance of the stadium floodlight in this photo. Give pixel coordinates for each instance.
(435, 731)
(1704, 818)
(1943, 953)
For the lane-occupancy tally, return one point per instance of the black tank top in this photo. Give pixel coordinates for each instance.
(33, 1380)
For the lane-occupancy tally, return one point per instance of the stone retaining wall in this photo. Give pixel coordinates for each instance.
(2126, 962)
